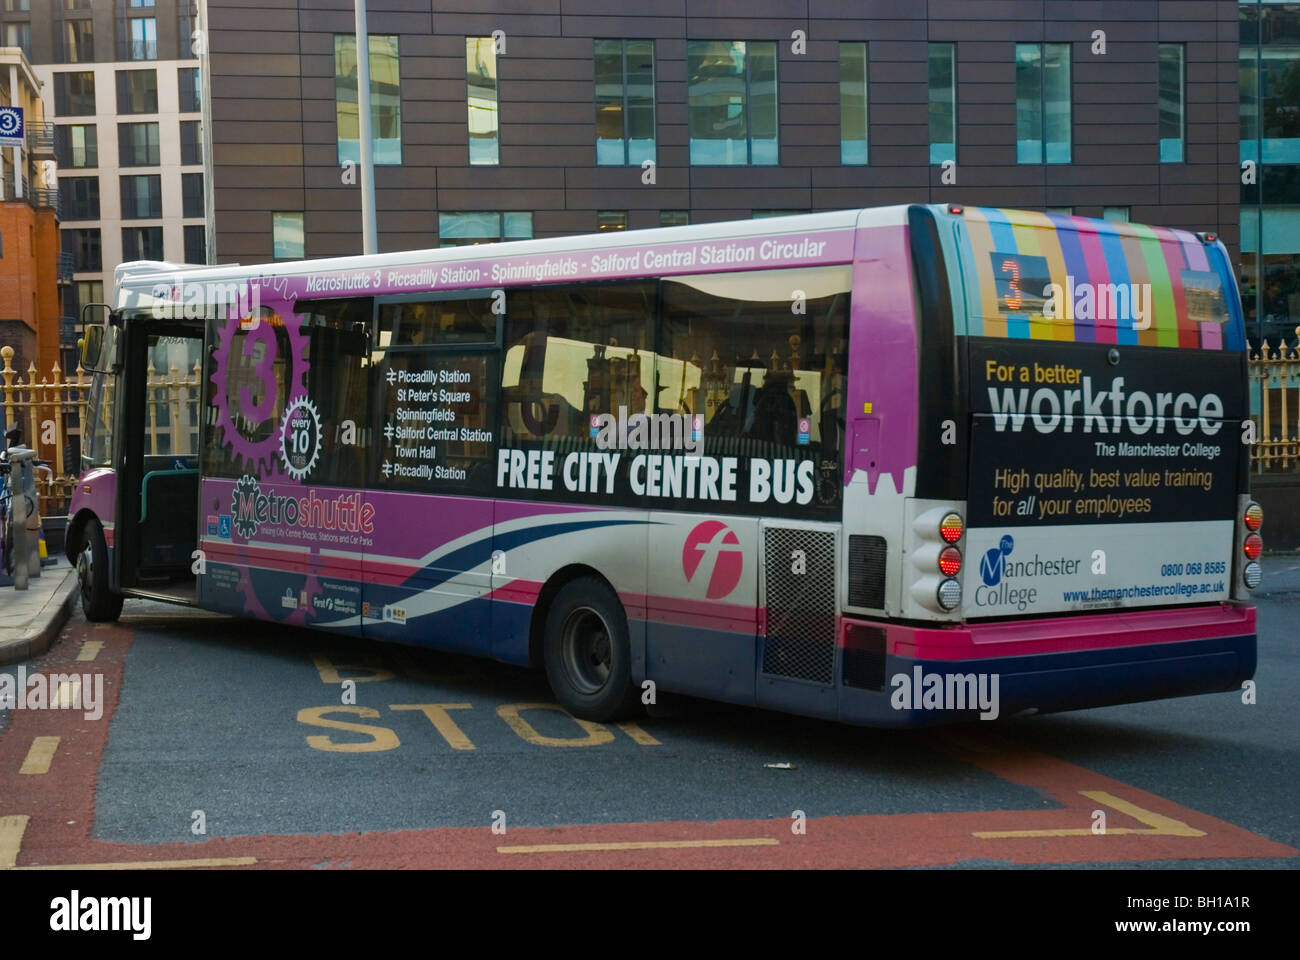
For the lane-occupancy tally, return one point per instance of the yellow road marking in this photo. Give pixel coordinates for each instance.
(12, 829)
(442, 721)
(1158, 825)
(637, 734)
(40, 755)
(68, 695)
(512, 713)
(150, 864)
(641, 845)
(90, 649)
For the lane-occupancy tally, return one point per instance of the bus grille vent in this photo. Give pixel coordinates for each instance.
(867, 572)
(800, 584)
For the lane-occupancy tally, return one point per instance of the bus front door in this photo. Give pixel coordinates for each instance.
(156, 458)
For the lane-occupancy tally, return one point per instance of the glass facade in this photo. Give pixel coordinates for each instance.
(464, 229)
(853, 103)
(731, 89)
(1171, 103)
(625, 102)
(1043, 103)
(1270, 154)
(288, 240)
(385, 100)
(481, 100)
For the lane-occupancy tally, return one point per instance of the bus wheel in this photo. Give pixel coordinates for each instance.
(588, 658)
(92, 575)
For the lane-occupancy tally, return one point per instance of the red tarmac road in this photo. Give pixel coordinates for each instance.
(46, 817)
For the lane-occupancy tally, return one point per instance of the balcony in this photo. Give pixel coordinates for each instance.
(67, 266)
(68, 331)
(40, 139)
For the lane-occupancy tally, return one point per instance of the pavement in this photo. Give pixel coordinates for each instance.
(30, 619)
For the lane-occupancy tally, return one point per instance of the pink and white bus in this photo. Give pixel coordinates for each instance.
(889, 466)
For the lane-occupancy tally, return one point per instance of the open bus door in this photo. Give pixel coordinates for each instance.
(156, 456)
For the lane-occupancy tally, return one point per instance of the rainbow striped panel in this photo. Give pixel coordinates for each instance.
(1149, 261)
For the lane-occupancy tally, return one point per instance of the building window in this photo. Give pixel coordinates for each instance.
(192, 195)
(196, 244)
(853, 103)
(74, 94)
(190, 88)
(90, 291)
(76, 4)
(142, 197)
(674, 218)
(137, 91)
(1042, 103)
(191, 142)
(1171, 102)
(142, 3)
(765, 214)
(85, 249)
(19, 35)
(1061, 211)
(76, 145)
(79, 198)
(625, 102)
(731, 88)
(481, 97)
(1115, 214)
(943, 102)
(287, 238)
(78, 41)
(142, 243)
(137, 144)
(610, 221)
(464, 229)
(141, 39)
(385, 100)
(18, 6)
(2, 246)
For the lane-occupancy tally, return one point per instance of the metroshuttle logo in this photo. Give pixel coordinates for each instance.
(714, 539)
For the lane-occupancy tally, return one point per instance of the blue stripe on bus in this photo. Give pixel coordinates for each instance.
(1112, 248)
(1004, 239)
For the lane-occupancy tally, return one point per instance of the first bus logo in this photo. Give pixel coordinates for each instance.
(715, 540)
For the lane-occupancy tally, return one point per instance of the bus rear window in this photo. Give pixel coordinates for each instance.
(1204, 293)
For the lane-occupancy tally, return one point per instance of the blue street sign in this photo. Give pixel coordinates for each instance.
(11, 127)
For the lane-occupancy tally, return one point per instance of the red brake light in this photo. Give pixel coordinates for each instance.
(951, 528)
(950, 561)
(1253, 546)
(1254, 517)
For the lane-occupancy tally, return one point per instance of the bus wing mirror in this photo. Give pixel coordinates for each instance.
(92, 345)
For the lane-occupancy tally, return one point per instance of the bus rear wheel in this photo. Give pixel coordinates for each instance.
(587, 654)
(98, 603)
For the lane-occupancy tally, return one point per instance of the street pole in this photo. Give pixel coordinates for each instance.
(369, 242)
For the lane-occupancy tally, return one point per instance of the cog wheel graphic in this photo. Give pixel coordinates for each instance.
(300, 407)
(258, 457)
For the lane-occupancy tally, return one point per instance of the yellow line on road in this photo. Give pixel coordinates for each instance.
(40, 755)
(1158, 825)
(90, 649)
(641, 845)
(12, 829)
(68, 695)
(151, 864)
(637, 734)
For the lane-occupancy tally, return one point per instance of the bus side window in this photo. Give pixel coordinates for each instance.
(338, 383)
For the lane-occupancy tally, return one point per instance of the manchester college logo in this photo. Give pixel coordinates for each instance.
(715, 540)
(994, 561)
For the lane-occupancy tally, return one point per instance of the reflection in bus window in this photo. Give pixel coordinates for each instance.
(466, 318)
(762, 357)
(256, 375)
(338, 372)
(573, 352)
(171, 402)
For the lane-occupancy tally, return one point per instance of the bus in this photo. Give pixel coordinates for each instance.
(893, 466)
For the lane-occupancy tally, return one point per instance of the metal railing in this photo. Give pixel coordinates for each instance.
(67, 265)
(40, 136)
(1275, 389)
(53, 412)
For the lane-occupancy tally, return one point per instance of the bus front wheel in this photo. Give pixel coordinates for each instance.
(588, 658)
(98, 603)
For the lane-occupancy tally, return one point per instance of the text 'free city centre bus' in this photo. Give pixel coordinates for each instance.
(889, 466)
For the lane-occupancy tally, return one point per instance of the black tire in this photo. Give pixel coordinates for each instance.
(97, 602)
(587, 654)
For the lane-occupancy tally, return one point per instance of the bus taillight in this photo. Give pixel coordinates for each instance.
(1253, 546)
(949, 561)
(951, 529)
